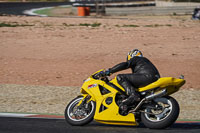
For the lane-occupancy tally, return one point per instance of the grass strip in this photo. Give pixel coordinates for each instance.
(3, 24)
(46, 11)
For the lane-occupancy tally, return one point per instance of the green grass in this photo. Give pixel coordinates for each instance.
(68, 25)
(155, 25)
(83, 24)
(130, 25)
(168, 25)
(158, 25)
(46, 11)
(3, 24)
(52, 11)
(134, 26)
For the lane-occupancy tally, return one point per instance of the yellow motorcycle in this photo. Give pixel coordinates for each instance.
(101, 98)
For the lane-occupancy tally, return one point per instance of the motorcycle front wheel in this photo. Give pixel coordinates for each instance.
(79, 116)
(164, 113)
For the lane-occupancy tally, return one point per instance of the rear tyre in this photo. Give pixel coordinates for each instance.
(79, 116)
(163, 116)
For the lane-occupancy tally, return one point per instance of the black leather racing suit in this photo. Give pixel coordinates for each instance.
(143, 73)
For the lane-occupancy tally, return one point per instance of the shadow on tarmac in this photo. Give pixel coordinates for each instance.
(181, 127)
(41, 125)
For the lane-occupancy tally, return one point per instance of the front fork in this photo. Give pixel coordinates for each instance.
(86, 99)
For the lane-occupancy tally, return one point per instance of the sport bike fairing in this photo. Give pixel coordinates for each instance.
(106, 112)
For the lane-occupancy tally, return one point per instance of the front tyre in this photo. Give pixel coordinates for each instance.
(164, 113)
(79, 116)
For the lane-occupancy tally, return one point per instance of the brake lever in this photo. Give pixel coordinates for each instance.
(99, 75)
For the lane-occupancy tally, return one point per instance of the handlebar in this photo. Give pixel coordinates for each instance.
(101, 75)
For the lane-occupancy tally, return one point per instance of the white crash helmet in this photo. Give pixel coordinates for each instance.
(134, 53)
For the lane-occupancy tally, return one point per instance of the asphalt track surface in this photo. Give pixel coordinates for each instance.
(53, 125)
(17, 8)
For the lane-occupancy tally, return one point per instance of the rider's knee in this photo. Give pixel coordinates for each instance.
(120, 78)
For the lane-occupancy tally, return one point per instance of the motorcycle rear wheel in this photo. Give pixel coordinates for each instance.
(162, 117)
(79, 117)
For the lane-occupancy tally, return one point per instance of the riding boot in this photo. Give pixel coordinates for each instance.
(130, 91)
(134, 97)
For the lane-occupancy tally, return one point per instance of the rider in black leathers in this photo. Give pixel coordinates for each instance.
(143, 73)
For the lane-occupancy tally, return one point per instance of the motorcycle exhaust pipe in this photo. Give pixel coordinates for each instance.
(150, 97)
(160, 94)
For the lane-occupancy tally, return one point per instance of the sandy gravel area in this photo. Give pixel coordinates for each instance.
(58, 51)
(65, 51)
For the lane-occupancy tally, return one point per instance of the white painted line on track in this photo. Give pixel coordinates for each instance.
(23, 115)
(32, 11)
(15, 115)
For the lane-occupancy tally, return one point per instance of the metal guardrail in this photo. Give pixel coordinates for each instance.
(99, 6)
(115, 3)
